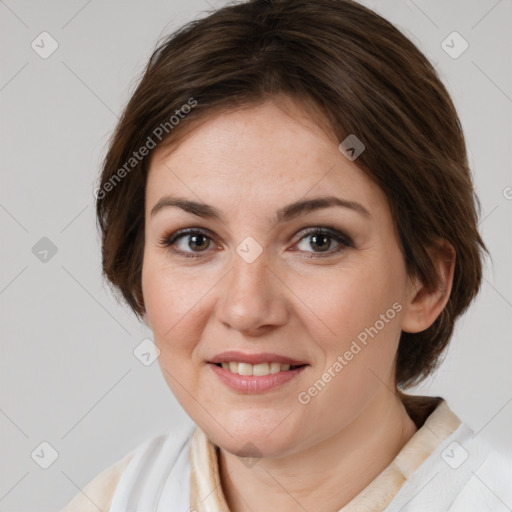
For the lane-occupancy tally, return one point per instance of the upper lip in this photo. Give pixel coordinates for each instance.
(262, 357)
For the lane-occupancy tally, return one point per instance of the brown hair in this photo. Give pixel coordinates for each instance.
(366, 78)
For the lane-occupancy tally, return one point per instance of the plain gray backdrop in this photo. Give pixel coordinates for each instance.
(69, 377)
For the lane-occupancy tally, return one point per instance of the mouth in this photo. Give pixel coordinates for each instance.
(255, 373)
(258, 370)
(264, 363)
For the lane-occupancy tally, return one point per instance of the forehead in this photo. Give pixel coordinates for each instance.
(265, 152)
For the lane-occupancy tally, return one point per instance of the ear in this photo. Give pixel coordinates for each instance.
(423, 306)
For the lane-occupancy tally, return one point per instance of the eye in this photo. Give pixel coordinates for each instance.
(187, 241)
(191, 242)
(322, 238)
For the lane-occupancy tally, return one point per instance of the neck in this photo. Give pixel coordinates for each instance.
(310, 479)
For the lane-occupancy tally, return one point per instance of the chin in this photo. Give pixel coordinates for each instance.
(251, 438)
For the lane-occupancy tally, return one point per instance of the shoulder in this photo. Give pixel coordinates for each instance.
(463, 473)
(489, 488)
(101, 492)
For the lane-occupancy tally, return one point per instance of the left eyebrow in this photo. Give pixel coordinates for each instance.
(298, 208)
(285, 214)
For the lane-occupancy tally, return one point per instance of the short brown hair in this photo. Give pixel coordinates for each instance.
(366, 78)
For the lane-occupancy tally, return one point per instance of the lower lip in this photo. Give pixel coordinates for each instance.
(254, 383)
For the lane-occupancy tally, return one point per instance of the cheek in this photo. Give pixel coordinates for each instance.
(171, 300)
(348, 301)
(173, 313)
(361, 307)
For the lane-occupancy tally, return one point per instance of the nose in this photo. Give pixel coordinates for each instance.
(253, 298)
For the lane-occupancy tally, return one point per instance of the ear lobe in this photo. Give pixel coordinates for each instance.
(424, 305)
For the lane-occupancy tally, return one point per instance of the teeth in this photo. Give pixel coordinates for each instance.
(260, 369)
(275, 367)
(244, 369)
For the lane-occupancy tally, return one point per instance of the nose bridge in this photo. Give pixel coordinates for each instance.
(249, 266)
(252, 296)
(249, 271)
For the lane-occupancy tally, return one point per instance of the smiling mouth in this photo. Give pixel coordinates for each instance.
(257, 370)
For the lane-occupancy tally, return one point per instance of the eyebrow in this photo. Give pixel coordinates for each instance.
(284, 214)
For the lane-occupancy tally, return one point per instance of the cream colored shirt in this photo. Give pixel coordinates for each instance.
(207, 495)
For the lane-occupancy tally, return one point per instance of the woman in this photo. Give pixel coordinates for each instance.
(287, 204)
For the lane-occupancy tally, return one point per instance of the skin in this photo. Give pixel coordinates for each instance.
(295, 299)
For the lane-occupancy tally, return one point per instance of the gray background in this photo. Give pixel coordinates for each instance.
(68, 374)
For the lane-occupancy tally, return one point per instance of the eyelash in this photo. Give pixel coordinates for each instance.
(345, 241)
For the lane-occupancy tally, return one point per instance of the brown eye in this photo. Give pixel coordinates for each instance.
(198, 241)
(188, 242)
(323, 239)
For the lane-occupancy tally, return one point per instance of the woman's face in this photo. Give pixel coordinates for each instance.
(256, 276)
